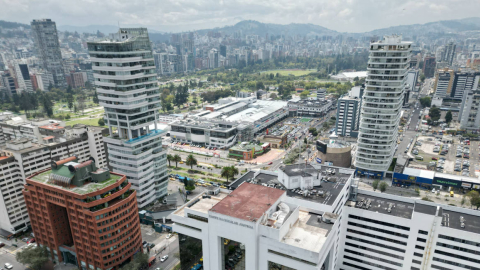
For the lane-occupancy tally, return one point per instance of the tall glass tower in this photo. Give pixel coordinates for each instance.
(387, 68)
(126, 84)
(45, 36)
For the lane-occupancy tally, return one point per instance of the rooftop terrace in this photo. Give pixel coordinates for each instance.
(307, 232)
(85, 189)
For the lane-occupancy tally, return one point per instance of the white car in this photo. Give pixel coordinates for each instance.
(164, 258)
(8, 266)
(169, 236)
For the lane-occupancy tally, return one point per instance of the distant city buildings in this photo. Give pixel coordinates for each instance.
(47, 47)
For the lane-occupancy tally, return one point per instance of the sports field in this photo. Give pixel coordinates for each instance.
(294, 72)
(304, 120)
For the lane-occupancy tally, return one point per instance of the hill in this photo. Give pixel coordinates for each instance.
(451, 26)
(12, 25)
(258, 28)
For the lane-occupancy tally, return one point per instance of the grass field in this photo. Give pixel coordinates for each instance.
(91, 122)
(294, 72)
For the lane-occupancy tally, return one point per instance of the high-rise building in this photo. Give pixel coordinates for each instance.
(45, 36)
(321, 93)
(448, 53)
(348, 113)
(469, 115)
(429, 66)
(8, 82)
(126, 84)
(382, 101)
(83, 215)
(453, 84)
(23, 78)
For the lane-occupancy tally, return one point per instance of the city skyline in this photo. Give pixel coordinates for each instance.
(343, 16)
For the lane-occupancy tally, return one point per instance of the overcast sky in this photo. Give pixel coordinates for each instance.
(182, 15)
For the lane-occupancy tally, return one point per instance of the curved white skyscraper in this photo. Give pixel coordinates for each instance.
(387, 68)
(126, 84)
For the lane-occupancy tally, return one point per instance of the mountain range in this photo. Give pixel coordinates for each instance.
(250, 27)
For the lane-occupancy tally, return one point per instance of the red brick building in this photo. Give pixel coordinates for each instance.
(84, 215)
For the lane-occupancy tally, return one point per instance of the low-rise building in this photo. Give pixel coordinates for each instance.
(310, 108)
(247, 151)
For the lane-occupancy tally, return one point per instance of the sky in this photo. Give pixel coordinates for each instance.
(183, 15)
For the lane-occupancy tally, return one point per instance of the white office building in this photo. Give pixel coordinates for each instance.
(313, 217)
(381, 104)
(126, 84)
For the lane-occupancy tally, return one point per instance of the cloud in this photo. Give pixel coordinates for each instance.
(181, 15)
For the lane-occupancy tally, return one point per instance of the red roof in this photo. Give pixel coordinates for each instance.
(248, 201)
(48, 138)
(53, 126)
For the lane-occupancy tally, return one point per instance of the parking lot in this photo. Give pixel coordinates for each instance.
(457, 158)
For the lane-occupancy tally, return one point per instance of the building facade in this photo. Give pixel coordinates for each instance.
(27, 155)
(469, 115)
(381, 104)
(126, 84)
(47, 46)
(84, 215)
(348, 116)
(297, 218)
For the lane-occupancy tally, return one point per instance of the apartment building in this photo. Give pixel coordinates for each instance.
(126, 84)
(24, 155)
(469, 115)
(83, 215)
(309, 216)
(381, 105)
(348, 116)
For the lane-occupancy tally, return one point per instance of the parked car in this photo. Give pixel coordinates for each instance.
(434, 158)
(8, 266)
(31, 241)
(169, 236)
(164, 258)
(2, 244)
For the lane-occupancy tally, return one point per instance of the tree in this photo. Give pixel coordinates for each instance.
(176, 159)
(225, 172)
(47, 105)
(95, 97)
(101, 122)
(273, 96)
(383, 186)
(474, 197)
(34, 256)
(139, 261)
(233, 171)
(448, 117)
(434, 113)
(81, 103)
(190, 185)
(305, 141)
(304, 94)
(229, 172)
(190, 161)
(375, 184)
(169, 159)
(313, 131)
(70, 101)
(426, 102)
